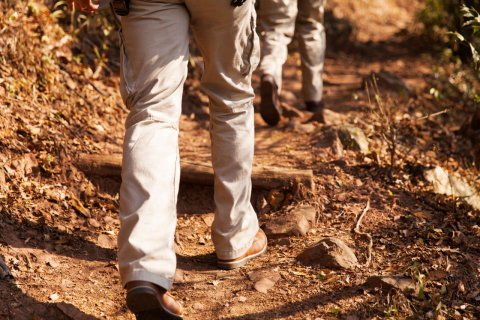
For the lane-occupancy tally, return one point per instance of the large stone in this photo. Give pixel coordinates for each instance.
(264, 281)
(300, 127)
(331, 253)
(72, 312)
(385, 79)
(387, 283)
(105, 241)
(287, 225)
(449, 184)
(329, 117)
(327, 140)
(353, 136)
(308, 212)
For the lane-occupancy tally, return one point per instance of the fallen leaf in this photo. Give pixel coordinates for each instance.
(437, 275)
(79, 207)
(424, 215)
(61, 241)
(275, 198)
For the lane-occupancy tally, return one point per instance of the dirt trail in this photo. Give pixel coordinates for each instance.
(64, 265)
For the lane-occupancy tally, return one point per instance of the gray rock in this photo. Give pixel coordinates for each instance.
(308, 212)
(264, 280)
(105, 241)
(349, 135)
(288, 225)
(329, 117)
(387, 283)
(297, 126)
(71, 312)
(391, 81)
(327, 140)
(197, 306)
(450, 184)
(330, 253)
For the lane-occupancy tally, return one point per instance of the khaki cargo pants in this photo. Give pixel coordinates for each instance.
(277, 21)
(154, 61)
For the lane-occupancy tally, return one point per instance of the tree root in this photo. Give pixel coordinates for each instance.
(357, 231)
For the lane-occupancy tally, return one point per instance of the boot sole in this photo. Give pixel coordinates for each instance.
(240, 263)
(268, 111)
(145, 303)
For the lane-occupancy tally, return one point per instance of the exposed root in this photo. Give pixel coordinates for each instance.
(357, 231)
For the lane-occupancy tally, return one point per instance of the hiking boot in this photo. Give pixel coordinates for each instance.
(258, 247)
(270, 108)
(151, 302)
(314, 106)
(318, 109)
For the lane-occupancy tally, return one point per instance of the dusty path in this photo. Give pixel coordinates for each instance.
(64, 264)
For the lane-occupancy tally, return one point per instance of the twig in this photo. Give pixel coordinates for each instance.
(122, 107)
(433, 115)
(103, 93)
(394, 144)
(85, 99)
(357, 231)
(72, 131)
(8, 176)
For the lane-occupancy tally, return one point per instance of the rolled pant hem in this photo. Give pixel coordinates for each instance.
(149, 277)
(233, 254)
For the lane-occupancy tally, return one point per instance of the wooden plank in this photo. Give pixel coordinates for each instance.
(197, 173)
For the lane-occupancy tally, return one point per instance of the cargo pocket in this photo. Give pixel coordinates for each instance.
(251, 52)
(128, 85)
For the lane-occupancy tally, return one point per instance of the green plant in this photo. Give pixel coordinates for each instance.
(472, 23)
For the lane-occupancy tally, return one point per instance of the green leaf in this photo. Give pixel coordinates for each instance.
(321, 275)
(466, 12)
(437, 310)
(472, 23)
(335, 310)
(476, 56)
(420, 290)
(458, 35)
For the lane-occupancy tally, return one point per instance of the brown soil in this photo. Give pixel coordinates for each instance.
(58, 227)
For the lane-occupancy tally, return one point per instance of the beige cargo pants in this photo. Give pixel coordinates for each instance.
(277, 21)
(154, 61)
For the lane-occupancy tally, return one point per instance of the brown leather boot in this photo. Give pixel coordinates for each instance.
(318, 109)
(258, 247)
(151, 302)
(270, 108)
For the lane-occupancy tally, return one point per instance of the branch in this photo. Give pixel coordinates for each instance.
(357, 231)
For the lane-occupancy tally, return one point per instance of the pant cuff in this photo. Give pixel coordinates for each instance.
(149, 277)
(235, 253)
